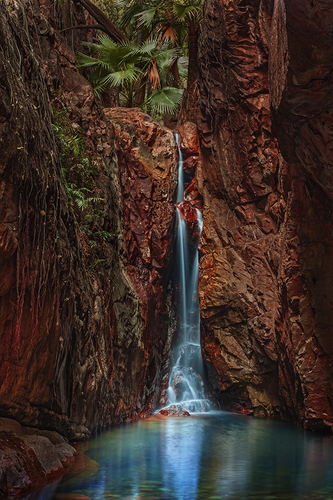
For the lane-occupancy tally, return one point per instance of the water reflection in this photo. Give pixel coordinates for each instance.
(181, 459)
(206, 456)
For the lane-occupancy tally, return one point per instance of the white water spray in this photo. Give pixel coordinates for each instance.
(186, 388)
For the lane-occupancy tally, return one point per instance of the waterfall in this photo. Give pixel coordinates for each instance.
(186, 387)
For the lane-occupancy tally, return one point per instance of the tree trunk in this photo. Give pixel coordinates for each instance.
(141, 93)
(105, 24)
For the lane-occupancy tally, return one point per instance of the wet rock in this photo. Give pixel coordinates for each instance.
(191, 193)
(189, 165)
(188, 212)
(174, 411)
(189, 139)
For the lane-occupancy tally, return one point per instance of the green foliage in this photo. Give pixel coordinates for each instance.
(131, 68)
(96, 262)
(165, 100)
(72, 150)
(94, 236)
(111, 8)
(70, 142)
(114, 67)
(78, 196)
(105, 236)
(163, 18)
(172, 21)
(77, 175)
(188, 11)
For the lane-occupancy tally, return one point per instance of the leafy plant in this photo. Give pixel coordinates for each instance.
(177, 22)
(77, 174)
(105, 236)
(96, 262)
(131, 68)
(164, 100)
(70, 141)
(95, 236)
(78, 197)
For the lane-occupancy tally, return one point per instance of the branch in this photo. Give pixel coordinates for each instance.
(84, 27)
(104, 22)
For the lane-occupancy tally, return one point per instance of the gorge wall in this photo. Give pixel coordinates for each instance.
(266, 287)
(85, 240)
(87, 227)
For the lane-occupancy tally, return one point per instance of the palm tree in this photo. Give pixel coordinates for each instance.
(178, 22)
(130, 67)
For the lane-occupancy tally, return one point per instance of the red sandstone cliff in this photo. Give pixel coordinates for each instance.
(83, 312)
(266, 271)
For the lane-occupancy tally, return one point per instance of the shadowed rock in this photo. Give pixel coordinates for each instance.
(266, 282)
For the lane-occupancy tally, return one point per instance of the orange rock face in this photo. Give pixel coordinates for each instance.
(190, 164)
(266, 272)
(148, 169)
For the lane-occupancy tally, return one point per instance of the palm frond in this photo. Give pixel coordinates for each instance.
(165, 57)
(105, 42)
(120, 77)
(84, 61)
(99, 89)
(165, 100)
(183, 12)
(183, 66)
(174, 73)
(130, 13)
(148, 46)
(168, 32)
(153, 75)
(147, 17)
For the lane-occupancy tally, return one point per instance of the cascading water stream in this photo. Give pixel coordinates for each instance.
(186, 387)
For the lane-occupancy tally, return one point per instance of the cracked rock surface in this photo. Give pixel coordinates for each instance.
(266, 279)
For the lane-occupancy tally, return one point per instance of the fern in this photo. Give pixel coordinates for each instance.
(104, 235)
(92, 244)
(96, 262)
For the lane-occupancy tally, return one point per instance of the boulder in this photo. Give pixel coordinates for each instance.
(174, 411)
(190, 164)
(189, 139)
(29, 459)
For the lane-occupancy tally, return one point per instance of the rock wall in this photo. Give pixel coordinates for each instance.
(266, 270)
(79, 350)
(147, 157)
